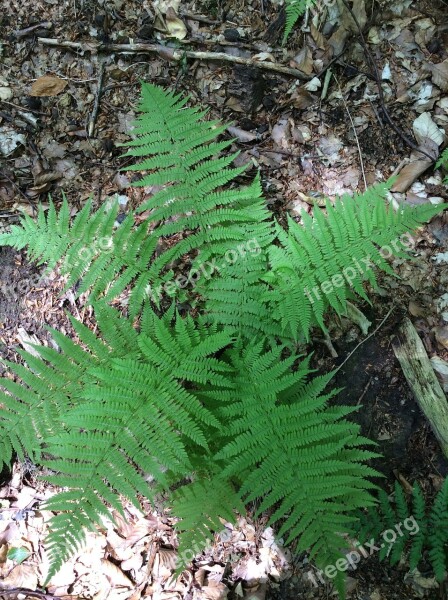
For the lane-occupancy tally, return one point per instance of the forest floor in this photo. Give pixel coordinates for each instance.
(63, 113)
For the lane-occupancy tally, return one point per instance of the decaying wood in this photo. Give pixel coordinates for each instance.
(422, 380)
(174, 54)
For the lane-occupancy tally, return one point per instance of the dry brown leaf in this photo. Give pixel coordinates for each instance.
(440, 75)
(303, 61)
(318, 38)
(175, 26)
(115, 575)
(48, 85)
(21, 576)
(409, 173)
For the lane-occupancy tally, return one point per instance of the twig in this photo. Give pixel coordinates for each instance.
(92, 120)
(361, 162)
(174, 54)
(199, 18)
(24, 32)
(26, 592)
(377, 78)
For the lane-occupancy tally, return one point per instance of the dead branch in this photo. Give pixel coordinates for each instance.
(92, 120)
(174, 54)
(420, 376)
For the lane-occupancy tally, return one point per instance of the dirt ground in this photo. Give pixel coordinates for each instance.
(65, 139)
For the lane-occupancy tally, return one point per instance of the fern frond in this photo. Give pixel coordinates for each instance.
(438, 532)
(292, 452)
(325, 261)
(102, 258)
(294, 10)
(201, 506)
(422, 528)
(419, 514)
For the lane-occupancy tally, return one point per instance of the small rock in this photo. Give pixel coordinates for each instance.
(232, 34)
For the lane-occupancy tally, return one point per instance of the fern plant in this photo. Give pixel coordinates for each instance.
(223, 402)
(294, 10)
(443, 162)
(415, 525)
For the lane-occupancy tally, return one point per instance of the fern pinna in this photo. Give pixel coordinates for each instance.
(224, 402)
(419, 527)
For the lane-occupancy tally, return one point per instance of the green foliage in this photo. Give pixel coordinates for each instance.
(220, 409)
(416, 526)
(294, 10)
(324, 262)
(443, 162)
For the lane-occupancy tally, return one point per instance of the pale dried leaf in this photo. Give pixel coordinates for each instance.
(22, 576)
(26, 340)
(424, 127)
(48, 85)
(440, 75)
(115, 575)
(175, 26)
(409, 173)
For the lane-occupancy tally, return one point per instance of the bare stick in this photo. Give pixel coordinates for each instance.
(361, 162)
(32, 28)
(174, 54)
(92, 120)
(420, 376)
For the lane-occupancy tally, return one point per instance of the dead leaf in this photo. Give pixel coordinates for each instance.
(303, 61)
(209, 592)
(175, 26)
(115, 575)
(440, 75)
(22, 576)
(48, 85)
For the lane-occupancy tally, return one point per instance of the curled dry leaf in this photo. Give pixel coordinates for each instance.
(48, 85)
(175, 26)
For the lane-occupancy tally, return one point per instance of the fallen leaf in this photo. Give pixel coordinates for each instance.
(175, 26)
(115, 575)
(48, 85)
(440, 75)
(424, 127)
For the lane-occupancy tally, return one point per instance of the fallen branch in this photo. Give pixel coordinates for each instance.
(174, 54)
(96, 106)
(421, 378)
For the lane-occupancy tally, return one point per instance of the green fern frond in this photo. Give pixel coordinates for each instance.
(443, 162)
(419, 513)
(325, 261)
(201, 507)
(125, 400)
(294, 10)
(421, 528)
(289, 450)
(103, 259)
